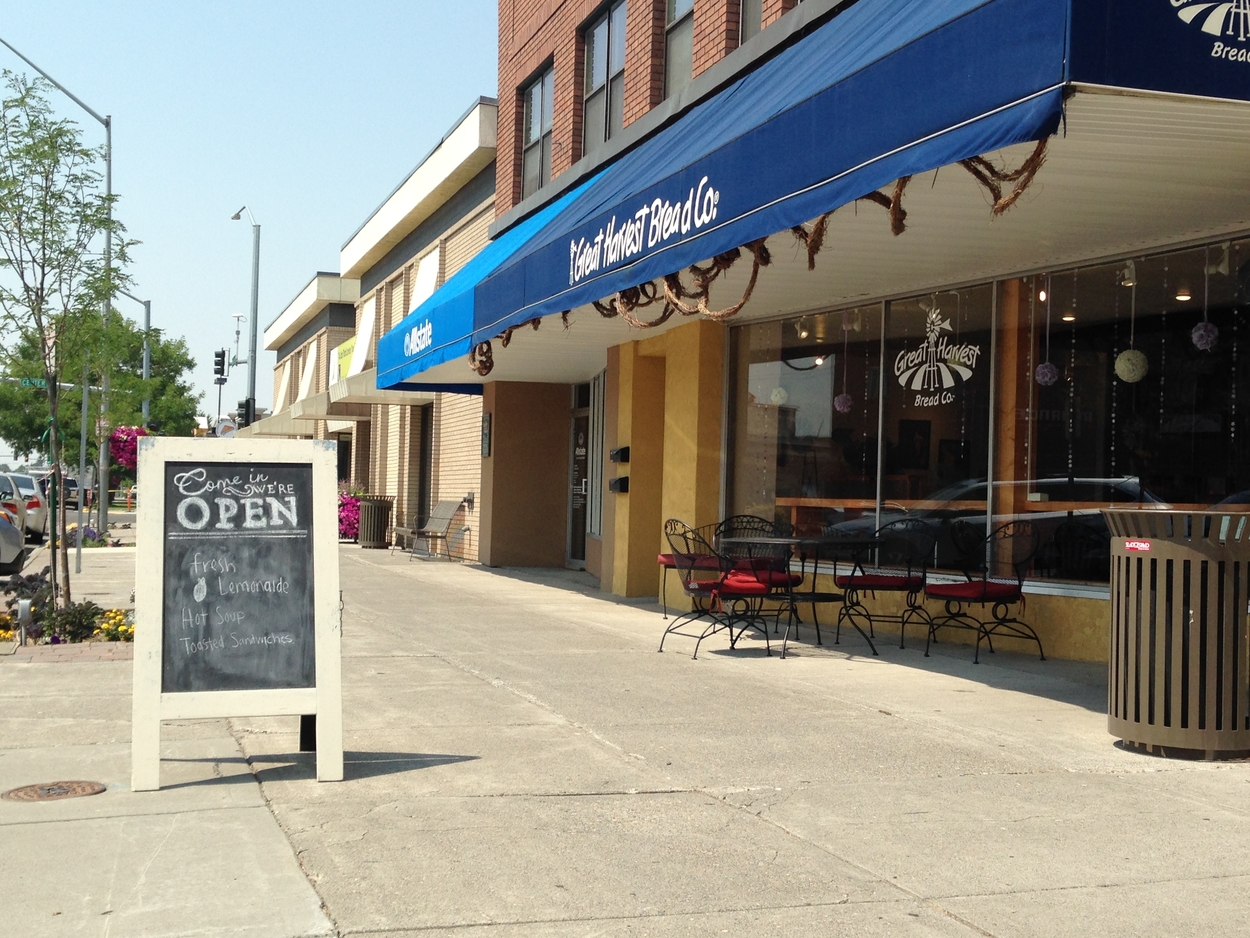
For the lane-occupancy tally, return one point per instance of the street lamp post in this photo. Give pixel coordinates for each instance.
(107, 121)
(147, 351)
(251, 351)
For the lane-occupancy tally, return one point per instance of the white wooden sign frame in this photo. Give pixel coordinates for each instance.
(149, 705)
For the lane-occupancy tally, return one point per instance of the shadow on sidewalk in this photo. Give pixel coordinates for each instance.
(292, 766)
(272, 767)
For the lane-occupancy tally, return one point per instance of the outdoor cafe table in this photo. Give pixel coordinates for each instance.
(835, 548)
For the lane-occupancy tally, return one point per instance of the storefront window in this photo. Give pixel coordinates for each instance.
(805, 418)
(1127, 409)
(1118, 384)
(936, 414)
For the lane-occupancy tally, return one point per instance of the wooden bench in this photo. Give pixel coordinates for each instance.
(436, 528)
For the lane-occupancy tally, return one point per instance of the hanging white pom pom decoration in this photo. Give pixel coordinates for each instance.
(1047, 374)
(843, 403)
(1131, 366)
(1204, 335)
(779, 396)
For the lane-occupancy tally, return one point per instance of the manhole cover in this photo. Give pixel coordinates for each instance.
(53, 791)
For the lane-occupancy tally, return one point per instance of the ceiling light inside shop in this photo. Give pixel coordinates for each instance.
(1069, 316)
(820, 360)
(1128, 276)
(1183, 294)
(1041, 296)
(801, 328)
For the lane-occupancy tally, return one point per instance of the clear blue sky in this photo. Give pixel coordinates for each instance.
(310, 112)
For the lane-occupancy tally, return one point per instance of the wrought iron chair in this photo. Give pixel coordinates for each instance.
(1080, 552)
(724, 595)
(903, 555)
(669, 562)
(995, 576)
(816, 597)
(769, 563)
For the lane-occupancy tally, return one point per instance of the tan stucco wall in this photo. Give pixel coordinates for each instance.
(668, 406)
(525, 480)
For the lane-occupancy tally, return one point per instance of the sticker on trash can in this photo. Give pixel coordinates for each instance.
(1137, 545)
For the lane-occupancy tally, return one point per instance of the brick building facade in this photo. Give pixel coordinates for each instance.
(535, 35)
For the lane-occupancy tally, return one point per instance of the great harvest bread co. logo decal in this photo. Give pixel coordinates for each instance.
(1228, 22)
(652, 224)
(937, 364)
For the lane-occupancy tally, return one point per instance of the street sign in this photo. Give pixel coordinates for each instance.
(34, 383)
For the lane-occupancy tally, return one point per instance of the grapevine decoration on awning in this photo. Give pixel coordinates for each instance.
(673, 296)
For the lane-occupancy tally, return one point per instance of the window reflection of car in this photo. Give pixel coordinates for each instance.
(1239, 501)
(1075, 541)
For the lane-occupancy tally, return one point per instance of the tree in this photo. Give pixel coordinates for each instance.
(53, 280)
(173, 403)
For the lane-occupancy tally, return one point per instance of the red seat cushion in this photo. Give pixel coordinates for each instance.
(744, 584)
(976, 590)
(666, 560)
(765, 572)
(897, 582)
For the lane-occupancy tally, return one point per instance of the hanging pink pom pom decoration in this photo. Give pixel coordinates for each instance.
(843, 403)
(1047, 374)
(1204, 335)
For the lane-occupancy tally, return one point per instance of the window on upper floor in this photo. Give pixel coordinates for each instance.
(750, 19)
(678, 46)
(539, 101)
(603, 106)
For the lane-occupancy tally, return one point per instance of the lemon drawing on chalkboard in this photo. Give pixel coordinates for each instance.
(201, 590)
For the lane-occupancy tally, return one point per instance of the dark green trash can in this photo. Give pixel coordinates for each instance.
(375, 520)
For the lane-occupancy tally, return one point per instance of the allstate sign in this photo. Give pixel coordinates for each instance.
(418, 338)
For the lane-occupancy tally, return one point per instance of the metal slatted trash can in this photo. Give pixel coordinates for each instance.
(375, 519)
(1179, 665)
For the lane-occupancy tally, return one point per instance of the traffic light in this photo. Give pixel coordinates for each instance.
(246, 414)
(219, 362)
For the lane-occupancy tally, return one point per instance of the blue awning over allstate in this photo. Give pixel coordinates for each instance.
(885, 89)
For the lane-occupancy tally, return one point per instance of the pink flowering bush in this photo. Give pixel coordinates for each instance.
(349, 516)
(124, 446)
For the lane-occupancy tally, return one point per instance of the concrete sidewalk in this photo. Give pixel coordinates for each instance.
(521, 762)
(202, 857)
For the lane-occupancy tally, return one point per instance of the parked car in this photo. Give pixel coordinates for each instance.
(68, 485)
(13, 502)
(12, 544)
(36, 506)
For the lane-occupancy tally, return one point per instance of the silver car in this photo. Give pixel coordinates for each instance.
(36, 506)
(12, 501)
(12, 545)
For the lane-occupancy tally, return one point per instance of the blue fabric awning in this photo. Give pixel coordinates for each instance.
(885, 89)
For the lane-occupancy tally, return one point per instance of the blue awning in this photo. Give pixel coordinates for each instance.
(885, 89)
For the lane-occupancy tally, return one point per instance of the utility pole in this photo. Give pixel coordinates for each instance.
(251, 354)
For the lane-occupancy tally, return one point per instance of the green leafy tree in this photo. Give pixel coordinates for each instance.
(172, 401)
(53, 277)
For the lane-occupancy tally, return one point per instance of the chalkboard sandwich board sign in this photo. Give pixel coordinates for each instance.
(236, 600)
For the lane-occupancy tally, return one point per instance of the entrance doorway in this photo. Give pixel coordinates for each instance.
(579, 477)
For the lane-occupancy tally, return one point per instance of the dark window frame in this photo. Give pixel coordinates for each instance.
(536, 137)
(603, 89)
(678, 27)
